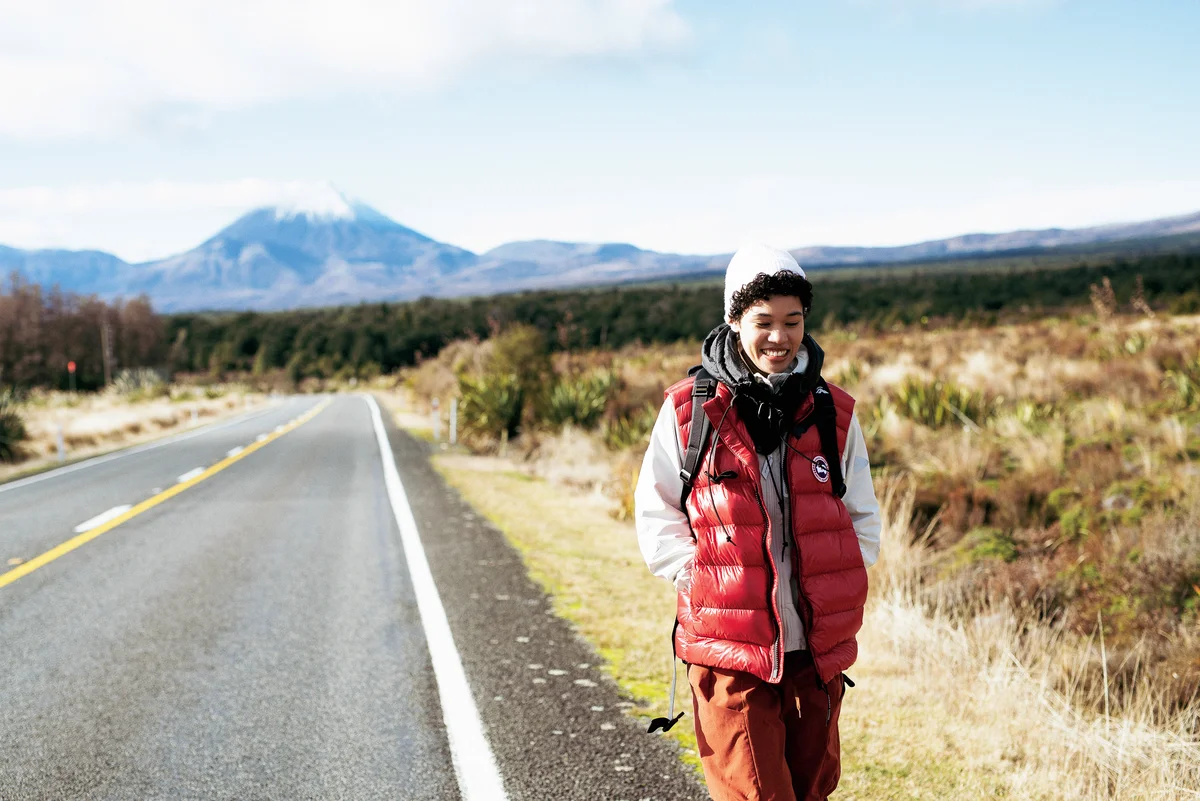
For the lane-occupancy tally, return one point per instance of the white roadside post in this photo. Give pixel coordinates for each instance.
(62, 448)
(454, 421)
(437, 422)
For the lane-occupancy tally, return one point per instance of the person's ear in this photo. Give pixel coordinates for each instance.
(736, 325)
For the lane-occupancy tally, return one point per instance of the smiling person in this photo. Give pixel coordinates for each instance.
(755, 499)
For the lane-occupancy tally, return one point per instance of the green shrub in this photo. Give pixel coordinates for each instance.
(579, 401)
(1183, 383)
(12, 428)
(986, 542)
(631, 430)
(1033, 415)
(1136, 343)
(491, 405)
(850, 375)
(939, 403)
(1075, 522)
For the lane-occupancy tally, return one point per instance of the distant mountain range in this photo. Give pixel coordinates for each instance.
(336, 251)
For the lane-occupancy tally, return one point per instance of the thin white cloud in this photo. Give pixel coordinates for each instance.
(904, 6)
(72, 68)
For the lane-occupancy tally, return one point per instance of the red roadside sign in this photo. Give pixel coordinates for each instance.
(70, 367)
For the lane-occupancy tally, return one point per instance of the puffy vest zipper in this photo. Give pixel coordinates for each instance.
(770, 562)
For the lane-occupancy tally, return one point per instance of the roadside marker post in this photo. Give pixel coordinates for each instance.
(437, 422)
(62, 448)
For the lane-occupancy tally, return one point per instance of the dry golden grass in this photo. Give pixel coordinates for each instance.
(948, 705)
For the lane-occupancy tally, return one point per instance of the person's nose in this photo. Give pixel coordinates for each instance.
(776, 336)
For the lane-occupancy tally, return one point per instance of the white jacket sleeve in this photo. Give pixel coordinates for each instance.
(664, 534)
(860, 493)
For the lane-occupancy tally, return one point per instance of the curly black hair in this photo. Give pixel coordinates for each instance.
(764, 287)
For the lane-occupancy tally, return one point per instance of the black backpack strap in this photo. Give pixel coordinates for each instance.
(826, 414)
(701, 427)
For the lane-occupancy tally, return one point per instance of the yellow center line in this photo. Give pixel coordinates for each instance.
(82, 539)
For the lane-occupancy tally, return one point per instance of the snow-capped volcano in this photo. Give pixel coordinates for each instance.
(314, 247)
(320, 201)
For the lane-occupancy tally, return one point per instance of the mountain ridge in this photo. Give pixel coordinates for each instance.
(320, 248)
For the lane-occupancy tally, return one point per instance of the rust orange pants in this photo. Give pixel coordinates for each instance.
(767, 742)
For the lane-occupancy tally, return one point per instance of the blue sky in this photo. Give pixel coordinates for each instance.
(142, 128)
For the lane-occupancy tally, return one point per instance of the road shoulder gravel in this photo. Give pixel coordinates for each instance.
(554, 719)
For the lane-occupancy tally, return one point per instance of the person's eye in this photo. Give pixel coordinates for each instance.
(792, 325)
(762, 325)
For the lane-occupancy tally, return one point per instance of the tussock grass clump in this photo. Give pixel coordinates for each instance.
(939, 403)
(491, 405)
(579, 400)
(12, 427)
(1184, 383)
(631, 430)
(139, 384)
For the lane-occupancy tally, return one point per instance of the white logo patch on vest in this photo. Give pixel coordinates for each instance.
(821, 469)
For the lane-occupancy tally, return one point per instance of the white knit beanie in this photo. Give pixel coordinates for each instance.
(750, 260)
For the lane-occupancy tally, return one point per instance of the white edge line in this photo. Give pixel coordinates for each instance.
(207, 428)
(102, 518)
(474, 765)
(189, 475)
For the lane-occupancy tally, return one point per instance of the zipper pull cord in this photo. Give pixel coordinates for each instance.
(666, 723)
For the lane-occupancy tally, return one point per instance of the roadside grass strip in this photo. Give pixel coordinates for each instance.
(474, 764)
(590, 566)
(899, 742)
(87, 535)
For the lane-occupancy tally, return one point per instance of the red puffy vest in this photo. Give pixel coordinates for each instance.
(727, 616)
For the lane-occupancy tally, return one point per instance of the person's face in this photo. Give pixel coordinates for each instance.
(770, 332)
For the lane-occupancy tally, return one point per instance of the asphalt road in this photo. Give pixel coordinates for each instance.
(257, 635)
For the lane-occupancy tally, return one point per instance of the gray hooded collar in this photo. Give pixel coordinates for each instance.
(721, 356)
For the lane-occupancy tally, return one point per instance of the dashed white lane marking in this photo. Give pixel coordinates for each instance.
(233, 451)
(474, 765)
(102, 518)
(149, 446)
(189, 475)
(260, 437)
